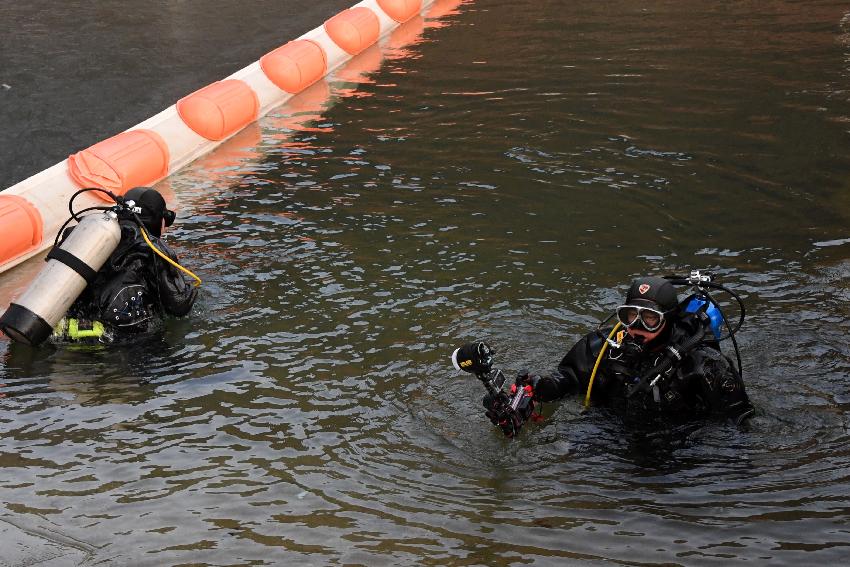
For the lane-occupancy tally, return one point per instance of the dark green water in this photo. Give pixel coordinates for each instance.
(502, 177)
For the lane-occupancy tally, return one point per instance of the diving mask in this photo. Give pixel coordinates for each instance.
(646, 317)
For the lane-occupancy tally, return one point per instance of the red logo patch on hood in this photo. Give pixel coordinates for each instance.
(643, 288)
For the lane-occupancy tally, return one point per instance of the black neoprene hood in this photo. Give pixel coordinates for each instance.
(652, 291)
(152, 205)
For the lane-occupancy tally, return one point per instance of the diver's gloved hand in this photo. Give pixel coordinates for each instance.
(525, 378)
(544, 388)
(500, 413)
(495, 408)
(511, 410)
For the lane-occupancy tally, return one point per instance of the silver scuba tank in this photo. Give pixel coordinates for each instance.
(70, 268)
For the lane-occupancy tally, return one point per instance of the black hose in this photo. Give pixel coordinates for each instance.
(740, 369)
(712, 285)
(81, 191)
(682, 349)
(668, 360)
(731, 332)
(740, 304)
(75, 214)
(65, 224)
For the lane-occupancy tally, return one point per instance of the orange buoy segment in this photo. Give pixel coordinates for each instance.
(21, 227)
(400, 10)
(295, 66)
(220, 109)
(119, 163)
(354, 29)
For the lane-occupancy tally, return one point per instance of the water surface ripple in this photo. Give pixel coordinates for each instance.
(498, 172)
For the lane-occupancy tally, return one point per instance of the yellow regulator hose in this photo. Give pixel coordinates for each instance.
(172, 262)
(598, 360)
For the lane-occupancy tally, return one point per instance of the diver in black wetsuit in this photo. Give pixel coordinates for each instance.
(135, 286)
(661, 362)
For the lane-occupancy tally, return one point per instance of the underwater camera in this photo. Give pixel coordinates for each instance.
(509, 410)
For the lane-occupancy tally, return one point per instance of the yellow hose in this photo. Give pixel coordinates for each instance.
(598, 360)
(166, 258)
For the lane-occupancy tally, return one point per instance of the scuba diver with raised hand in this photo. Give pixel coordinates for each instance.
(660, 361)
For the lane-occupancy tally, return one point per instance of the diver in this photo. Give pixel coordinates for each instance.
(136, 285)
(661, 362)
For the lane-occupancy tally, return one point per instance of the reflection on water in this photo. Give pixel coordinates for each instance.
(499, 173)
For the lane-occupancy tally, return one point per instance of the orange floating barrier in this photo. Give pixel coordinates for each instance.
(199, 122)
(21, 228)
(354, 29)
(400, 10)
(295, 66)
(119, 163)
(220, 109)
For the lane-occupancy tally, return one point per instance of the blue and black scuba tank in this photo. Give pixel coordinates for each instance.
(697, 302)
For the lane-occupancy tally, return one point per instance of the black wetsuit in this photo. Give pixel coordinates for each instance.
(702, 384)
(134, 287)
